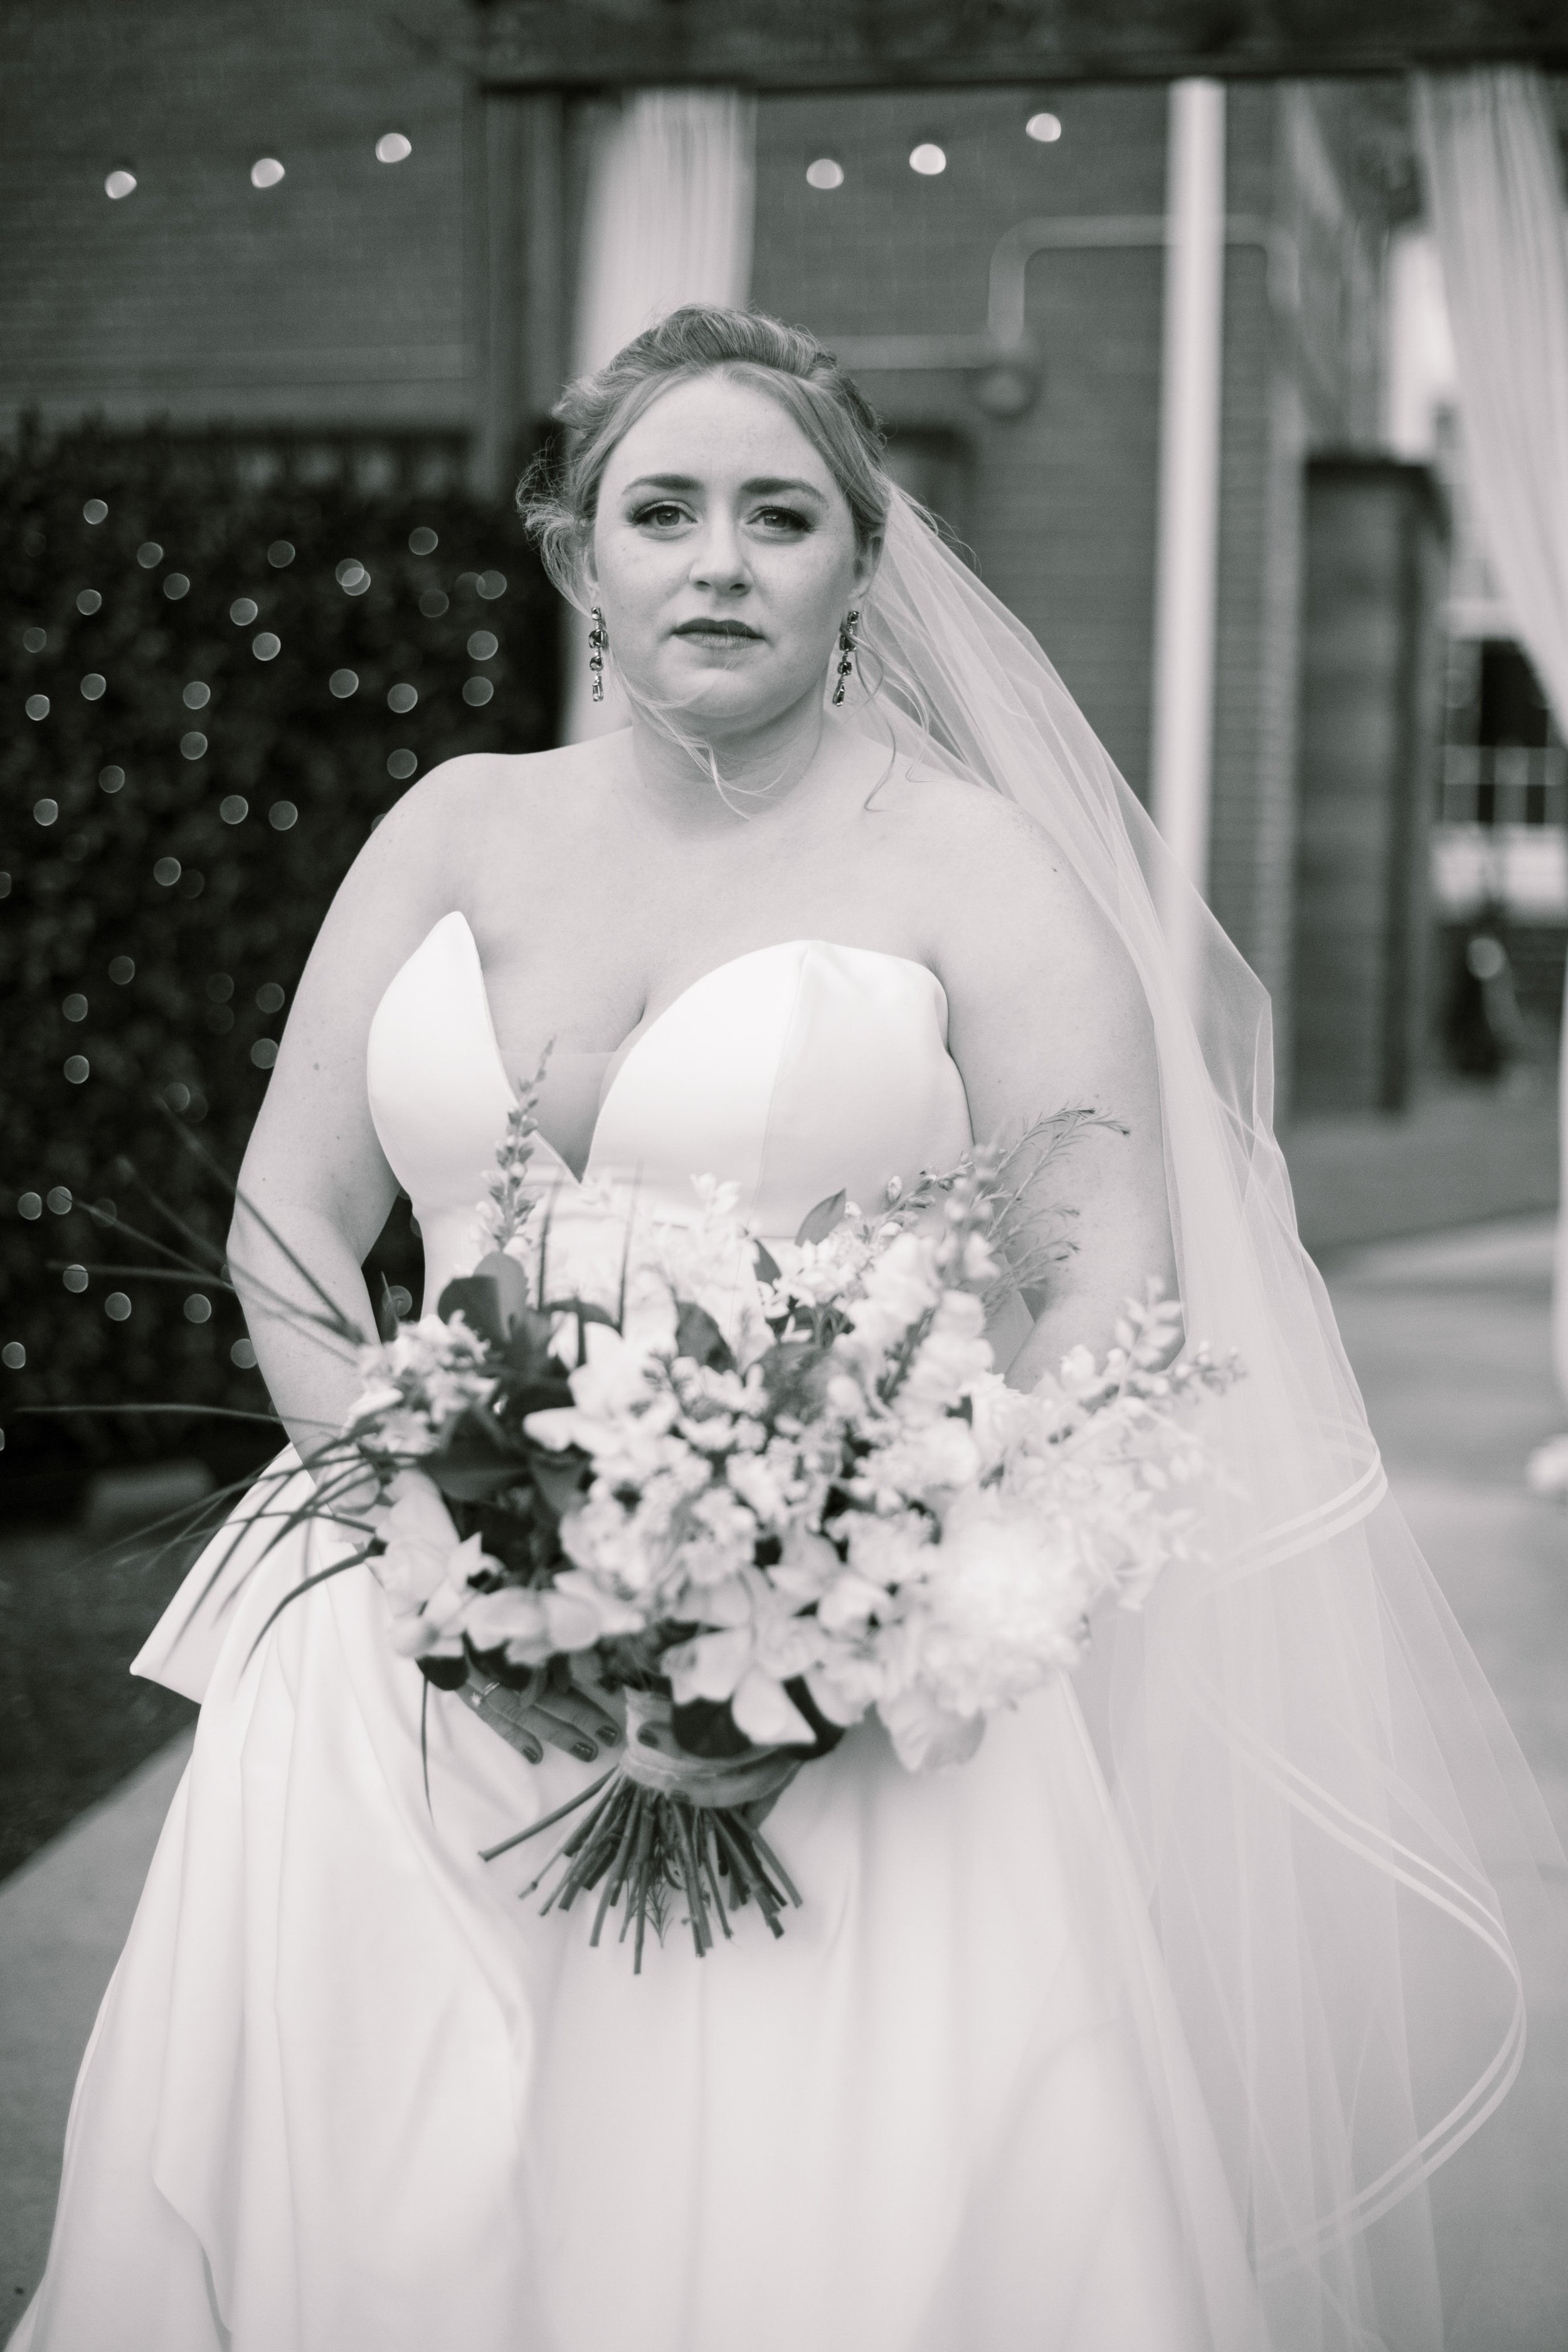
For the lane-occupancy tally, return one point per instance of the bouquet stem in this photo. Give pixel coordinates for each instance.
(664, 1821)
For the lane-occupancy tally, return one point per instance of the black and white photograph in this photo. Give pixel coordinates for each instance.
(783, 1255)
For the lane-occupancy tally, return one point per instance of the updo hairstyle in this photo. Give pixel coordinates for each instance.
(559, 495)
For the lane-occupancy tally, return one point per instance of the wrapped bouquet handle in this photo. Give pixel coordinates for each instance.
(665, 1823)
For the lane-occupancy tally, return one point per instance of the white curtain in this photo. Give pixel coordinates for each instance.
(667, 220)
(1494, 183)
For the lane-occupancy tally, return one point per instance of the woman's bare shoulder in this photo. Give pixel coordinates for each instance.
(990, 864)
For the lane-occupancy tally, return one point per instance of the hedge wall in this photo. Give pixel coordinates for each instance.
(208, 693)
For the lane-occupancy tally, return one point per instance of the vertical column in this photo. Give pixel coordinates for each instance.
(1180, 754)
(519, 276)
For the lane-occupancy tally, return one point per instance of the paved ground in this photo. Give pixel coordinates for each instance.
(1448, 1336)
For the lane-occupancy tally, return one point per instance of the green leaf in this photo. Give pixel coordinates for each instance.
(764, 1262)
(705, 1727)
(477, 1298)
(829, 1733)
(510, 1282)
(818, 1223)
(698, 1335)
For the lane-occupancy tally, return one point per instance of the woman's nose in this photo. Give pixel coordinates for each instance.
(718, 561)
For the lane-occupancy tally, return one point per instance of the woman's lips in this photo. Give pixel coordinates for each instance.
(724, 633)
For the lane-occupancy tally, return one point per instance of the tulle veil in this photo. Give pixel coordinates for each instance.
(1329, 1816)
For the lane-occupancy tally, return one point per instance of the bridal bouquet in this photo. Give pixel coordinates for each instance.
(760, 1495)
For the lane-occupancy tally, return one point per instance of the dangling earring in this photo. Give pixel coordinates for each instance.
(598, 644)
(845, 651)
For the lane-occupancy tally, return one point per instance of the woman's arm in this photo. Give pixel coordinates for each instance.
(314, 1172)
(1047, 1014)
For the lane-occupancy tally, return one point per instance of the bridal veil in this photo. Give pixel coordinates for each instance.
(1328, 1813)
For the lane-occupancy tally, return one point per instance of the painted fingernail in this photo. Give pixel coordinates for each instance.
(586, 1751)
(607, 1732)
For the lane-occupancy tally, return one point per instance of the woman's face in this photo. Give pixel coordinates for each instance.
(723, 557)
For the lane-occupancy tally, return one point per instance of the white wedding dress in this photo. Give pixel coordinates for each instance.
(347, 2091)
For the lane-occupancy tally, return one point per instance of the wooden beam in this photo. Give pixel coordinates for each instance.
(828, 44)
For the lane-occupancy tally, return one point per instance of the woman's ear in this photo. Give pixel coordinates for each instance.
(866, 560)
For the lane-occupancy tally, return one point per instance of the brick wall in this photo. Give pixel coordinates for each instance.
(1060, 504)
(338, 296)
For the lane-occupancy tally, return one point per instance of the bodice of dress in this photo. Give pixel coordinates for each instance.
(791, 1071)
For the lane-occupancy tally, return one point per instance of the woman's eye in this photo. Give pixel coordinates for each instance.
(783, 519)
(661, 516)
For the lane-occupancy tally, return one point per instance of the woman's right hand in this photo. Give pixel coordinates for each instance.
(556, 1710)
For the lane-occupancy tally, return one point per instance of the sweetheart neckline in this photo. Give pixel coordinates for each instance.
(637, 1037)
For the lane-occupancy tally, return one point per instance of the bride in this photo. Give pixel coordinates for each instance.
(1144, 2028)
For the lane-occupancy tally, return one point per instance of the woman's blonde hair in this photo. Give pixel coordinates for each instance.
(558, 497)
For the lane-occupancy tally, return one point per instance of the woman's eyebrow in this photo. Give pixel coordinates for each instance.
(760, 486)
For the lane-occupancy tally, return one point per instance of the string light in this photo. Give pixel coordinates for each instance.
(1046, 128)
(928, 159)
(825, 173)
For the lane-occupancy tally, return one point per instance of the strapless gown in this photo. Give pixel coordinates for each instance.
(347, 2093)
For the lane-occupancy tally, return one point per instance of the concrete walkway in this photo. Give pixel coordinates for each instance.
(1448, 1336)
(63, 1918)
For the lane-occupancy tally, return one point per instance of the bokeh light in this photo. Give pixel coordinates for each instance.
(243, 611)
(825, 173)
(175, 586)
(280, 552)
(35, 640)
(75, 1008)
(266, 172)
(197, 695)
(110, 779)
(281, 815)
(491, 584)
(122, 971)
(266, 647)
(342, 683)
(233, 808)
(928, 159)
(74, 1278)
(1046, 128)
(30, 1205)
(198, 1308)
(433, 604)
(45, 811)
(401, 697)
(264, 1053)
(167, 872)
(483, 645)
(243, 1354)
(76, 1069)
(37, 706)
(92, 686)
(392, 147)
(95, 511)
(270, 997)
(401, 765)
(119, 183)
(220, 987)
(116, 1306)
(14, 1355)
(149, 554)
(194, 746)
(422, 541)
(477, 692)
(89, 601)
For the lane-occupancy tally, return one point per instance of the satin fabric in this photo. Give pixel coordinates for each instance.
(347, 2089)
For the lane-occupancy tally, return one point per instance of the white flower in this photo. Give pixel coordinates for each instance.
(926, 1734)
(420, 1542)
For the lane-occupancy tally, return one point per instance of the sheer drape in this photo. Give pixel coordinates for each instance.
(1329, 1819)
(1495, 186)
(668, 220)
